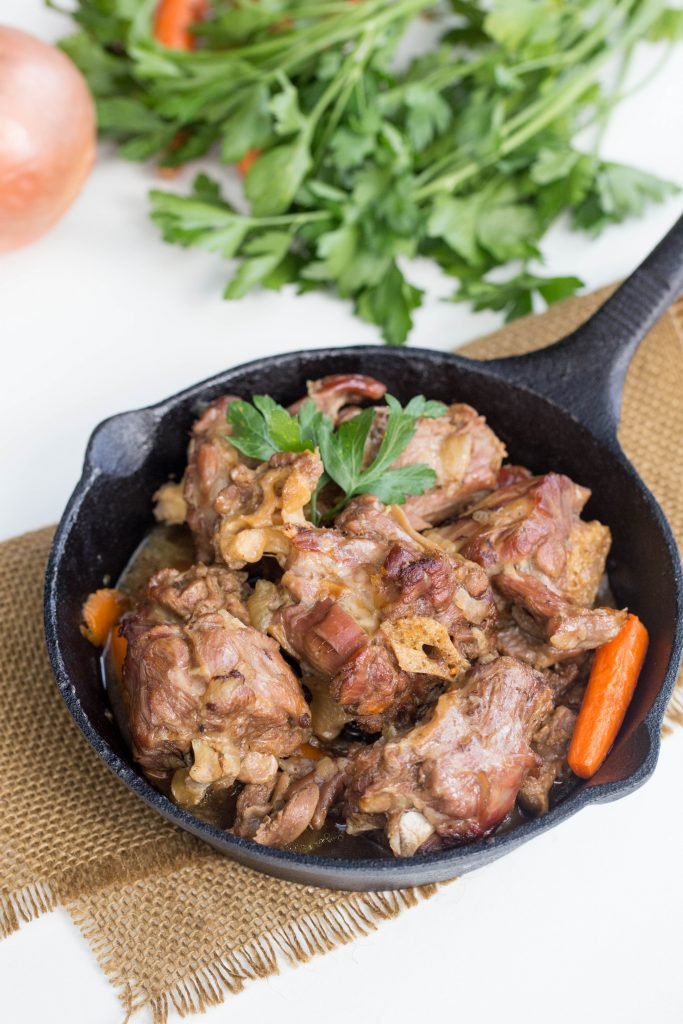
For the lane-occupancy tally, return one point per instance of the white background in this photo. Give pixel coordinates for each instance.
(582, 925)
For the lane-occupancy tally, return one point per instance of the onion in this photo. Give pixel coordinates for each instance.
(47, 136)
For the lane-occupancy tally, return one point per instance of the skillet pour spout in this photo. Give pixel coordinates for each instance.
(554, 409)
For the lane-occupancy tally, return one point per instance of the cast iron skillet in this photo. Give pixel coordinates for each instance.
(556, 409)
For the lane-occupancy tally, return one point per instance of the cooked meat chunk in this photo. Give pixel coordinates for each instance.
(462, 450)
(456, 775)
(542, 558)
(587, 549)
(567, 627)
(210, 461)
(223, 488)
(199, 591)
(569, 676)
(205, 691)
(551, 743)
(510, 474)
(529, 520)
(272, 495)
(299, 798)
(331, 394)
(442, 587)
(519, 636)
(372, 608)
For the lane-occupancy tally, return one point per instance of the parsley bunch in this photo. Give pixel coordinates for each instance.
(466, 156)
(263, 428)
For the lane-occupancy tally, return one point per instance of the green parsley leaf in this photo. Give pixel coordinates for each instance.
(247, 126)
(265, 253)
(283, 428)
(426, 408)
(515, 297)
(668, 26)
(428, 115)
(250, 434)
(263, 428)
(455, 221)
(390, 304)
(274, 178)
(394, 486)
(507, 230)
(465, 155)
(618, 192)
(285, 109)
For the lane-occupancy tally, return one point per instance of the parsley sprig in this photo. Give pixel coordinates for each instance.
(466, 157)
(261, 428)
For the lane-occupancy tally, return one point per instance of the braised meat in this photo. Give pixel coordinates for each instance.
(462, 450)
(210, 460)
(542, 557)
(370, 607)
(298, 798)
(550, 743)
(208, 697)
(337, 392)
(258, 501)
(455, 776)
(413, 671)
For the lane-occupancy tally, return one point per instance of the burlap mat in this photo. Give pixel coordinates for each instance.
(171, 922)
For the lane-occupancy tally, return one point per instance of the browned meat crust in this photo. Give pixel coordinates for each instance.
(462, 450)
(203, 688)
(331, 394)
(379, 614)
(210, 460)
(551, 743)
(298, 798)
(456, 775)
(543, 558)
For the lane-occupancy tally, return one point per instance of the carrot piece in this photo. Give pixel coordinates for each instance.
(101, 612)
(173, 20)
(611, 686)
(248, 160)
(311, 752)
(118, 646)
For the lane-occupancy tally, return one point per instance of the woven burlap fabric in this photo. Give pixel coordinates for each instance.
(171, 922)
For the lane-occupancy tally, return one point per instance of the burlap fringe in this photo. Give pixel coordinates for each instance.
(296, 943)
(25, 905)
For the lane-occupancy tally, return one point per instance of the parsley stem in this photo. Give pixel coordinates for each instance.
(534, 118)
(352, 73)
(289, 218)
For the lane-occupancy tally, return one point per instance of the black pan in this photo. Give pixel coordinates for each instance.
(557, 409)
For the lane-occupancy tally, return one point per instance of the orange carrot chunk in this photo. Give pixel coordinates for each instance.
(173, 20)
(611, 685)
(101, 612)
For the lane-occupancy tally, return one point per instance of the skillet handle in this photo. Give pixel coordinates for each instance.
(584, 373)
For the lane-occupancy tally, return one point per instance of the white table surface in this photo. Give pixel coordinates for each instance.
(583, 924)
